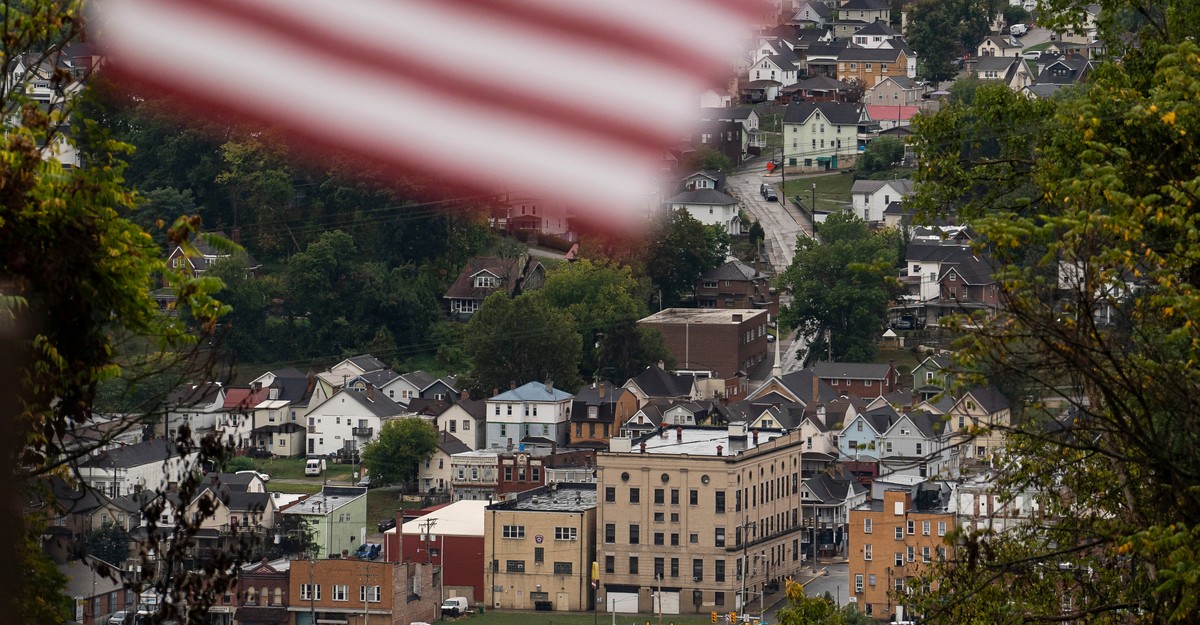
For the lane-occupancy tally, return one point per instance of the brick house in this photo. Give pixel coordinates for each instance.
(868, 380)
(737, 285)
(723, 342)
(891, 541)
(356, 592)
(262, 594)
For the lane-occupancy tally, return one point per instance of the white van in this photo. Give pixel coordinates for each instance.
(312, 468)
(1018, 29)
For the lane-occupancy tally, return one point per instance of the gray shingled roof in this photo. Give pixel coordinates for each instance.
(733, 270)
(878, 27)
(851, 370)
(989, 399)
(882, 55)
(381, 406)
(835, 112)
(800, 383)
(451, 445)
(703, 196)
(367, 362)
(655, 382)
(864, 5)
(154, 450)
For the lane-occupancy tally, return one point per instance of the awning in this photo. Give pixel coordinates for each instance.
(259, 614)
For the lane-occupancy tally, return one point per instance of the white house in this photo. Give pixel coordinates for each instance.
(150, 465)
(822, 135)
(464, 420)
(533, 411)
(434, 474)
(859, 440)
(916, 444)
(871, 197)
(348, 420)
(195, 406)
(777, 68)
(709, 207)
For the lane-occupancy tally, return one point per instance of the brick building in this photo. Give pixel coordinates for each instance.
(892, 541)
(867, 380)
(355, 592)
(261, 597)
(724, 341)
(737, 285)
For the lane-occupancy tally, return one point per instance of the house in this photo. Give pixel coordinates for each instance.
(995, 45)
(978, 420)
(710, 207)
(490, 474)
(916, 444)
(338, 375)
(858, 378)
(337, 516)
(877, 35)
(737, 285)
(871, 197)
(894, 116)
(853, 15)
(435, 472)
(725, 136)
(932, 376)
(816, 89)
(654, 382)
(894, 541)
(546, 539)
(234, 421)
(1011, 70)
(593, 414)
(969, 285)
(153, 464)
(483, 276)
(94, 592)
(1065, 70)
(945, 278)
(451, 537)
(200, 254)
(262, 594)
(868, 66)
(821, 58)
(775, 67)
(823, 135)
(526, 215)
(746, 116)
(859, 439)
(724, 342)
(234, 511)
(347, 421)
(464, 420)
(535, 413)
(418, 384)
(194, 406)
(894, 91)
(825, 504)
(705, 179)
(812, 13)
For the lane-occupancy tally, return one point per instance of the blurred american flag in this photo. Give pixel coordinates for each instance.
(571, 99)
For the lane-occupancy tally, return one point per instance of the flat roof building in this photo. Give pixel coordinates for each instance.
(723, 341)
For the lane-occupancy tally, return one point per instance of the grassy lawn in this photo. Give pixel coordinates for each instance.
(565, 618)
(305, 488)
(833, 190)
(293, 469)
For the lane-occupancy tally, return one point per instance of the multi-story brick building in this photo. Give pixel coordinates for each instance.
(261, 596)
(737, 285)
(357, 592)
(540, 546)
(867, 380)
(697, 519)
(720, 341)
(892, 541)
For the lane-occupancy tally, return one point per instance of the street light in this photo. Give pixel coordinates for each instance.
(814, 201)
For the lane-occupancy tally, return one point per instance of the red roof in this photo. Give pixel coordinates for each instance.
(883, 112)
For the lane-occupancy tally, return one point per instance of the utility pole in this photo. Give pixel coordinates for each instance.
(659, 577)
(312, 589)
(745, 562)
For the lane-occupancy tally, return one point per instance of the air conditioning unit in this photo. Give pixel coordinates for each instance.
(695, 579)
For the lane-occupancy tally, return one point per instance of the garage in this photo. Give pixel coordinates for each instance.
(670, 602)
(622, 602)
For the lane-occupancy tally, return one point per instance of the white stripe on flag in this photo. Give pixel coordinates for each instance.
(442, 88)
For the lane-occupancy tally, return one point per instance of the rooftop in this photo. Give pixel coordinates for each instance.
(461, 518)
(330, 498)
(553, 498)
(698, 441)
(704, 315)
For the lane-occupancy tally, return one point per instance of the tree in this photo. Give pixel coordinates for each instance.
(940, 31)
(804, 610)
(402, 445)
(1100, 291)
(707, 158)
(1015, 14)
(298, 537)
(109, 542)
(841, 285)
(681, 249)
(520, 339)
(881, 154)
(756, 234)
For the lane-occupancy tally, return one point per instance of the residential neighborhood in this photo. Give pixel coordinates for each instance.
(850, 342)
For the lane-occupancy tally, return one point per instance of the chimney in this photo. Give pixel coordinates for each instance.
(601, 389)
(512, 385)
(235, 235)
(310, 382)
(370, 392)
(549, 386)
(737, 317)
(257, 386)
(755, 433)
(662, 432)
(816, 395)
(495, 391)
(720, 450)
(642, 447)
(464, 395)
(679, 433)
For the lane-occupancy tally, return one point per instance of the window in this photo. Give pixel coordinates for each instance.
(868, 525)
(610, 533)
(925, 554)
(635, 495)
(697, 570)
(911, 553)
(562, 568)
(924, 528)
(720, 499)
(539, 555)
(899, 584)
(912, 527)
(307, 594)
(919, 449)
(513, 531)
(899, 559)
(453, 425)
(658, 538)
(659, 517)
(694, 538)
(858, 582)
(610, 494)
(899, 533)
(719, 539)
(694, 498)
(466, 425)
(674, 496)
(659, 496)
(633, 565)
(719, 570)
(610, 564)
(634, 534)
(515, 566)
(368, 594)
(674, 540)
(867, 553)
(341, 592)
(674, 567)
(941, 528)
(719, 598)
(871, 579)
(566, 533)
(674, 517)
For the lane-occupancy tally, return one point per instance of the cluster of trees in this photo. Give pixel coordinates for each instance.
(942, 31)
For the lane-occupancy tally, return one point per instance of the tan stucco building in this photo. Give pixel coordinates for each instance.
(684, 511)
(539, 548)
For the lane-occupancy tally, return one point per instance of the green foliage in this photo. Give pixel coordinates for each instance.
(520, 339)
(109, 542)
(881, 154)
(1098, 188)
(402, 445)
(237, 463)
(707, 158)
(681, 249)
(841, 285)
(1015, 14)
(941, 31)
(298, 538)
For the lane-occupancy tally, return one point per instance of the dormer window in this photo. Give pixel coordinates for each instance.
(485, 281)
(593, 412)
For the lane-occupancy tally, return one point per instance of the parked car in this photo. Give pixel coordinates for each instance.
(455, 606)
(907, 322)
(1018, 29)
(119, 618)
(312, 467)
(763, 188)
(262, 476)
(386, 524)
(368, 551)
(771, 196)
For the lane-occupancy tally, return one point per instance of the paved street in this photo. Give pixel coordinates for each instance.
(834, 581)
